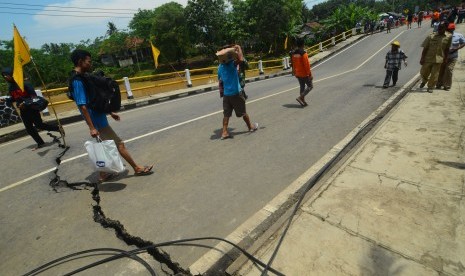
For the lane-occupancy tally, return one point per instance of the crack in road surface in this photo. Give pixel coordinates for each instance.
(120, 231)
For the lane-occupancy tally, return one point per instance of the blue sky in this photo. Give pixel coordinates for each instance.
(60, 21)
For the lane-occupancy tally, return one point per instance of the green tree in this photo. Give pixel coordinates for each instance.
(346, 16)
(272, 21)
(142, 22)
(115, 43)
(6, 60)
(111, 28)
(238, 25)
(169, 32)
(206, 21)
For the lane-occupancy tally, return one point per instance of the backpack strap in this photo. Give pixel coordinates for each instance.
(76, 76)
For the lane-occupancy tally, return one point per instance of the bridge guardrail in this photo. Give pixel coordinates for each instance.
(210, 72)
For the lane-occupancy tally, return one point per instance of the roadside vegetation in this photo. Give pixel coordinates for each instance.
(188, 37)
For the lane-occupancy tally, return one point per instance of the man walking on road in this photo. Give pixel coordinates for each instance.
(97, 121)
(435, 51)
(420, 18)
(458, 42)
(393, 63)
(31, 118)
(231, 88)
(301, 69)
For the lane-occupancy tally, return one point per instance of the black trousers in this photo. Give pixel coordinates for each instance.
(305, 81)
(391, 73)
(33, 121)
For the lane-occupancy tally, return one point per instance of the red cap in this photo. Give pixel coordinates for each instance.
(451, 26)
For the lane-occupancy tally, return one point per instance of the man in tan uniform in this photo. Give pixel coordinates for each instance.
(435, 51)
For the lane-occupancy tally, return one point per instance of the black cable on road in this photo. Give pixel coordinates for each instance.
(57, 261)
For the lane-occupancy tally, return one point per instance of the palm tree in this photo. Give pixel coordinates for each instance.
(111, 28)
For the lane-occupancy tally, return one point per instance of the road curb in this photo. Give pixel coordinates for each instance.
(223, 256)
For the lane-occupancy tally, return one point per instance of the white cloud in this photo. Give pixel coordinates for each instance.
(70, 28)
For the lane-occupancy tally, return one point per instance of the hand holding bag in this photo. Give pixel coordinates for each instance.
(104, 156)
(37, 103)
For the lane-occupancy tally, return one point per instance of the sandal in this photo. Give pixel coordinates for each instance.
(254, 128)
(146, 171)
(300, 101)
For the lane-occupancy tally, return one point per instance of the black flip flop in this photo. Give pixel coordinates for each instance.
(147, 170)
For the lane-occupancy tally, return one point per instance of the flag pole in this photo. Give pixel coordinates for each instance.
(24, 47)
(159, 53)
(60, 126)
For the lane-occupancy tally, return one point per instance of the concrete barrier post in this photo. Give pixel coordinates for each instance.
(288, 64)
(354, 31)
(284, 64)
(127, 85)
(45, 111)
(260, 67)
(188, 78)
(333, 40)
(344, 36)
(321, 46)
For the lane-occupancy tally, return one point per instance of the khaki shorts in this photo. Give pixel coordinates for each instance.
(236, 103)
(107, 133)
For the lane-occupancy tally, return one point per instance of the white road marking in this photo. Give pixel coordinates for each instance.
(192, 120)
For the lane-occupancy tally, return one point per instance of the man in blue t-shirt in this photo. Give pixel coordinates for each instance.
(230, 91)
(447, 69)
(97, 121)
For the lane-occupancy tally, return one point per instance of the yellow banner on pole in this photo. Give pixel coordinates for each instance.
(155, 53)
(21, 57)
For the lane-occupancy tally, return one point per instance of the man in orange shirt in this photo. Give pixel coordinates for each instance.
(301, 68)
(435, 17)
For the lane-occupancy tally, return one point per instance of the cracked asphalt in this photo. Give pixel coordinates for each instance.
(201, 186)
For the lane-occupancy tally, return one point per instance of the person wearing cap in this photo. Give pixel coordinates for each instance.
(393, 63)
(230, 89)
(31, 118)
(435, 51)
(458, 42)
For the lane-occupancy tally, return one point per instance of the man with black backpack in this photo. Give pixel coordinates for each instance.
(31, 117)
(83, 92)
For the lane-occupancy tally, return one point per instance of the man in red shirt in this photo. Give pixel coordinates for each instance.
(435, 17)
(301, 68)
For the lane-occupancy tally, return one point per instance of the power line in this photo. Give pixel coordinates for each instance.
(67, 15)
(82, 8)
(51, 10)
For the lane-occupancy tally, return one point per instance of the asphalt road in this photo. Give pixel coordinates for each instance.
(202, 186)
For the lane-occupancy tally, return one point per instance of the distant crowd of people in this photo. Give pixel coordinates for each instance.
(440, 49)
(452, 15)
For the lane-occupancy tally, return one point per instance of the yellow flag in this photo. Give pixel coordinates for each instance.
(155, 53)
(21, 57)
(285, 43)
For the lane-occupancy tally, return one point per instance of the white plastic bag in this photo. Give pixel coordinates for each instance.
(104, 156)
